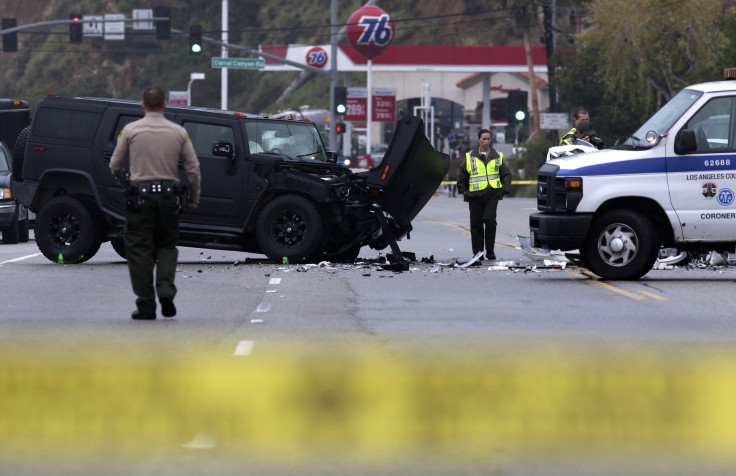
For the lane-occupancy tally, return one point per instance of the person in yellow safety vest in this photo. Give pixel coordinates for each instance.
(483, 181)
(579, 114)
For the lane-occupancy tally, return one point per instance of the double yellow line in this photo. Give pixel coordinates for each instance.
(591, 278)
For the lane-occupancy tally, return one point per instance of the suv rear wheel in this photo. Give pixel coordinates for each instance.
(67, 230)
(621, 244)
(290, 227)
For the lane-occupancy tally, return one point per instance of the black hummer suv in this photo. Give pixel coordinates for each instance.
(268, 185)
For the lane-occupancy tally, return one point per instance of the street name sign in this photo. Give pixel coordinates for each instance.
(239, 63)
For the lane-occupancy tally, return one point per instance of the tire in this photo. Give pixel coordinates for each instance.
(19, 152)
(621, 245)
(67, 231)
(290, 227)
(118, 244)
(23, 231)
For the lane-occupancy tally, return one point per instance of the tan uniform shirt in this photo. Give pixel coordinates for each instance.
(155, 145)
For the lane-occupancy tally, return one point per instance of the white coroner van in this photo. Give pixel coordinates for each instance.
(670, 184)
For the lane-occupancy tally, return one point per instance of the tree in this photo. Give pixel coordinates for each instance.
(660, 44)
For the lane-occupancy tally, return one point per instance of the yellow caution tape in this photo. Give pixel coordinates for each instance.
(363, 406)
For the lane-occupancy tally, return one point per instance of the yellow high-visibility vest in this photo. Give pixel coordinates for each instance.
(482, 176)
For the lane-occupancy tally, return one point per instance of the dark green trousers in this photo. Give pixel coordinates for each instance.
(483, 223)
(151, 233)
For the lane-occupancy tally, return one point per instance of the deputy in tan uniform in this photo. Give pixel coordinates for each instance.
(154, 145)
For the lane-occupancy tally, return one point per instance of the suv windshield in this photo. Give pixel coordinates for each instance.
(293, 139)
(663, 120)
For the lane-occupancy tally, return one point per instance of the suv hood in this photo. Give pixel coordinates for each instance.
(410, 172)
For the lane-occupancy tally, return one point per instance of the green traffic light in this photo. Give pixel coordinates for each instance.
(196, 48)
(520, 115)
(341, 109)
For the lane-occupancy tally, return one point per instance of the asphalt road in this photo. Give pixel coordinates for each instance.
(359, 327)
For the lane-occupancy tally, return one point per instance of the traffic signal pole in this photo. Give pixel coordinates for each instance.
(333, 73)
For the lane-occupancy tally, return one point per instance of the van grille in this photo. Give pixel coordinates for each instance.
(551, 194)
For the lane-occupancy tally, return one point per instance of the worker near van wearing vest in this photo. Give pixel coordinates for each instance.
(483, 181)
(579, 114)
(155, 145)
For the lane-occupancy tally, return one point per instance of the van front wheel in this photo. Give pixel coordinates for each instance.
(621, 244)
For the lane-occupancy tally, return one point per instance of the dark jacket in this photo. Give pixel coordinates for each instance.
(464, 177)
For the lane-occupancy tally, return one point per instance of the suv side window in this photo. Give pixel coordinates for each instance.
(67, 124)
(713, 126)
(204, 135)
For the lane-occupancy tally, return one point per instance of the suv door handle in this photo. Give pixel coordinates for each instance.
(107, 156)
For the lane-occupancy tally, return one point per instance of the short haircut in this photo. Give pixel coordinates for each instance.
(154, 98)
(579, 110)
(483, 131)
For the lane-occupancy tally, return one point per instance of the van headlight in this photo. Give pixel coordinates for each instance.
(5, 193)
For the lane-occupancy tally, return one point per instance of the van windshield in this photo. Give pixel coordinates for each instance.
(663, 120)
(298, 140)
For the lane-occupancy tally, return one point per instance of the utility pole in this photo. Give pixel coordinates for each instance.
(333, 73)
(549, 22)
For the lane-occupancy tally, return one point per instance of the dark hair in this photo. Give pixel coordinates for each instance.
(483, 131)
(154, 98)
(579, 110)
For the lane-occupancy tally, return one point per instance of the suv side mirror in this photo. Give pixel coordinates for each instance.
(331, 157)
(225, 149)
(685, 141)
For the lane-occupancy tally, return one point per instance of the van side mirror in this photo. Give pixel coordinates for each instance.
(685, 141)
(331, 157)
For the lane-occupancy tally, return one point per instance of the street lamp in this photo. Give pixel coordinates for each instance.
(192, 78)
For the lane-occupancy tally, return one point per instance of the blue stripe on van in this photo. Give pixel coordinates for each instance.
(653, 165)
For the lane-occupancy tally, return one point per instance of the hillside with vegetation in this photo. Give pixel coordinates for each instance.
(46, 62)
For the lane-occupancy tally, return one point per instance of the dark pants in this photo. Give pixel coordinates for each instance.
(151, 233)
(483, 223)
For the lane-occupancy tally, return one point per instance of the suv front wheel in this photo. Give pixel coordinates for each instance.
(290, 227)
(67, 230)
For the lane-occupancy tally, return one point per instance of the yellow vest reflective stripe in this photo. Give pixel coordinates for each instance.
(480, 175)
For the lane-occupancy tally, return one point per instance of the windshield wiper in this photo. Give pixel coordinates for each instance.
(309, 153)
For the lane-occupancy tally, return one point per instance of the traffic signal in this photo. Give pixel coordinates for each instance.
(518, 111)
(75, 29)
(195, 39)
(163, 27)
(10, 40)
(341, 100)
(340, 128)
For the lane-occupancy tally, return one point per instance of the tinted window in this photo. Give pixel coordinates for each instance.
(204, 135)
(66, 124)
